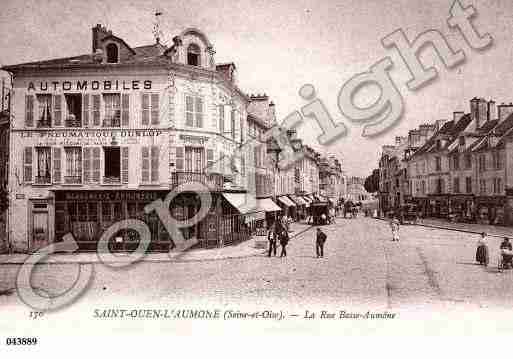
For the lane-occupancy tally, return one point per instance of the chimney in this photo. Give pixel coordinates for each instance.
(457, 115)
(259, 107)
(492, 110)
(272, 114)
(440, 124)
(504, 111)
(99, 32)
(474, 112)
(483, 112)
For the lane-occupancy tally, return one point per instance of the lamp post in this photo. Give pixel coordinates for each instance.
(274, 150)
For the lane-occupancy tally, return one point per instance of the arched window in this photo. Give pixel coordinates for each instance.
(193, 55)
(112, 53)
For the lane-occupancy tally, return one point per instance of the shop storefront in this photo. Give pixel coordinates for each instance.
(300, 207)
(438, 206)
(462, 207)
(288, 207)
(490, 209)
(88, 214)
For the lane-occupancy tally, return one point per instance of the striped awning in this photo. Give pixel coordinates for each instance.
(245, 204)
(286, 201)
(299, 201)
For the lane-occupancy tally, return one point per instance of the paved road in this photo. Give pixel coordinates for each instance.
(428, 271)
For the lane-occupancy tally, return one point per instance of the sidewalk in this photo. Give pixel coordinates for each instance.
(240, 250)
(493, 231)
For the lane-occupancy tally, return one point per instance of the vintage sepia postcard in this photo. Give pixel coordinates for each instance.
(254, 168)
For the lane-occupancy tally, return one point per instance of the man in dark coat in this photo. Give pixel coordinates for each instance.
(319, 243)
(284, 240)
(272, 238)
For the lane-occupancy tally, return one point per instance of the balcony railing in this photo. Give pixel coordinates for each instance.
(111, 180)
(214, 181)
(73, 179)
(46, 179)
(72, 121)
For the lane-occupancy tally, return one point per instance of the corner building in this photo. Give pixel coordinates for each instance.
(96, 137)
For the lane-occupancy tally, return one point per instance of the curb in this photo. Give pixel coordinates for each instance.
(254, 252)
(452, 229)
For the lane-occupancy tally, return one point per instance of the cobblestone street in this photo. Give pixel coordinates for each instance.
(429, 270)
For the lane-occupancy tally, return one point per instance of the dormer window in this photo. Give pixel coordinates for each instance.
(193, 55)
(112, 53)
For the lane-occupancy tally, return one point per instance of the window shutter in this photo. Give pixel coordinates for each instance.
(124, 164)
(57, 110)
(145, 155)
(221, 119)
(125, 106)
(189, 111)
(96, 110)
(199, 112)
(155, 109)
(210, 160)
(87, 164)
(96, 168)
(57, 173)
(27, 164)
(179, 158)
(145, 108)
(232, 119)
(85, 110)
(154, 163)
(29, 110)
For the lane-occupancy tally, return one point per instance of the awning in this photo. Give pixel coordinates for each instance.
(286, 201)
(246, 204)
(300, 201)
(267, 205)
(331, 199)
(307, 200)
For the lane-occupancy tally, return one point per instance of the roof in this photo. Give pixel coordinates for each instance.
(142, 55)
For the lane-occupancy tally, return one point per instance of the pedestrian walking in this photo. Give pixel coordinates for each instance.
(394, 225)
(284, 240)
(271, 237)
(319, 243)
(332, 215)
(482, 256)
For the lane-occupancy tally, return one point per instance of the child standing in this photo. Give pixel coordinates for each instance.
(394, 225)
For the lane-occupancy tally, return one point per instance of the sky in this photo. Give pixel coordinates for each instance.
(278, 46)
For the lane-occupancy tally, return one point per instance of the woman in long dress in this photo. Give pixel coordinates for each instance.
(482, 256)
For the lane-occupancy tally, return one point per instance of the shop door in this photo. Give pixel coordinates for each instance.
(40, 227)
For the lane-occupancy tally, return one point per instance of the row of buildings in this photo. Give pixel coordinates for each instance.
(92, 139)
(460, 169)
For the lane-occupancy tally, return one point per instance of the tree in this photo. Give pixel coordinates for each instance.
(371, 183)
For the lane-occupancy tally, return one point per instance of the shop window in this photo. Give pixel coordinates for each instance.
(43, 165)
(73, 165)
(112, 173)
(193, 55)
(112, 53)
(74, 110)
(112, 110)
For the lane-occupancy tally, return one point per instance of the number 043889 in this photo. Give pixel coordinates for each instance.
(21, 341)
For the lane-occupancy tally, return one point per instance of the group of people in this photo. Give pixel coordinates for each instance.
(506, 249)
(278, 233)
